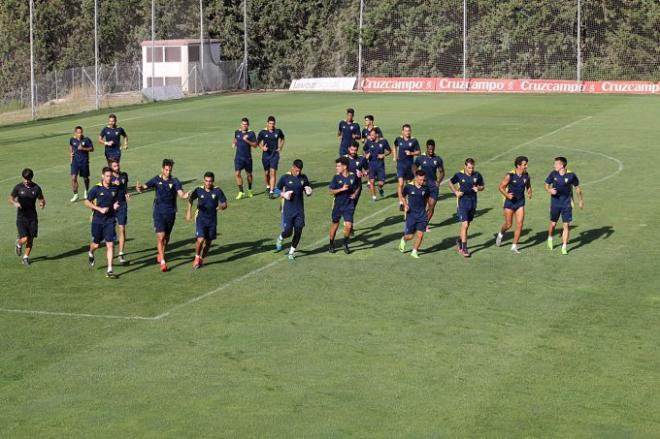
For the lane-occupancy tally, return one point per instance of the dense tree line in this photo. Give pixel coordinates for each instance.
(295, 38)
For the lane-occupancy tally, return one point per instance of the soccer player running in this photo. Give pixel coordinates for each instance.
(433, 167)
(415, 198)
(210, 200)
(79, 149)
(347, 132)
(120, 181)
(103, 200)
(24, 198)
(406, 148)
(466, 185)
(271, 142)
(513, 187)
(111, 136)
(293, 185)
(343, 188)
(375, 150)
(357, 165)
(167, 189)
(559, 185)
(244, 141)
(369, 125)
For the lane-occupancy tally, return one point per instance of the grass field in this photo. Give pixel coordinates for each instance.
(372, 344)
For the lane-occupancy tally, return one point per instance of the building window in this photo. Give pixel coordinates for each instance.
(193, 53)
(172, 54)
(173, 80)
(159, 54)
(158, 82)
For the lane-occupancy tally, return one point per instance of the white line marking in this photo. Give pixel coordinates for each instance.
(607, 177)
(273, 263)
(178, 139)
(73, 314)
(529, 142)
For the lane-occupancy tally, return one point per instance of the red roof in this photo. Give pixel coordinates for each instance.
(169, 43)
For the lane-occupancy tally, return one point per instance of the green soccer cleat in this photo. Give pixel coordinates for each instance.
(564, 251)
(240, 196)
(549, 242)
(278, 244)
(110, 275)
(250, 194)
(74, 198)
(291, 256)
(414, 254)
(402, 245)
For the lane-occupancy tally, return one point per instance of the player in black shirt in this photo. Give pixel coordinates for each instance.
(24, 198)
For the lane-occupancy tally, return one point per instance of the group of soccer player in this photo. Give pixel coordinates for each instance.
(418, 179)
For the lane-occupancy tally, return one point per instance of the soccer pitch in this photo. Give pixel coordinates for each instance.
(371, 344)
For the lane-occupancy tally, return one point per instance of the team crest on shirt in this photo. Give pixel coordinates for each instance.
(565, 179)
(462, 180)
(474, 179)
(170, 185)
(213, 196)
(524, 180)
(201, 196)
(113, 193)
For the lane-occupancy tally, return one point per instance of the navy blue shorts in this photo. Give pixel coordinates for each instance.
(291, 220)
(346, 211)
(122, 215)
(241, 163)
(434, 191)
(414, 224)
(404, 171)
(343, 149)
(565, 211)
(270, 161)
(514, 204)
(206, 229)
(113, 155)
(164, 221)
(377, 171)
(466, 211)
(80, 168)
(103, 232)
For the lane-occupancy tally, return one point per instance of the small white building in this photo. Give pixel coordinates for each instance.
(177, 62)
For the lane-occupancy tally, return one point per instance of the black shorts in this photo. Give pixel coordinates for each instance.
(27, 227)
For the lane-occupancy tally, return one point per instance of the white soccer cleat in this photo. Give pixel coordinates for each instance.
(514, 250)
(498, 240)
(85, 195)
(74, 198)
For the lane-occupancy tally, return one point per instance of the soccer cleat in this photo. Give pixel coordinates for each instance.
(291, 256)
(564, 250)
(163, 266)
(414, 254)
(74, 198)
(250, 194)
(278, 244)
(514, 250)
(26, 261)
(240, 196)
(400, 207)
(347, 250)
(381, 192)
(85, 195)
(428, 229)
(373, 199)
(331, 248)
(122, 258)
(550, 243)
(465, 253)
(197, 263)
(271, 195)
(110, 275)
(402, 245)
(498, 240)
(19, 250)
(91, 260)
(458, 245)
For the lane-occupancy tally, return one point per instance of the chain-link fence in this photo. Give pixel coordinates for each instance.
(94, 53)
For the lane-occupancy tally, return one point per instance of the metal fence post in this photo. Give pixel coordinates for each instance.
(579, 41)
(96, 54)
(245, 46)
(464, 41)
(32, 84)
(359, 72)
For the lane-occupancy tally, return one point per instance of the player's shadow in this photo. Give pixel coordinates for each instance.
(319, 184)
(239, 250)
(491, 242)
(82, 250)
(453, 219)
(445, 244)
(588, 236)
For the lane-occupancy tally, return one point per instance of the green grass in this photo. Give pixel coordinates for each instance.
(374, 344)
